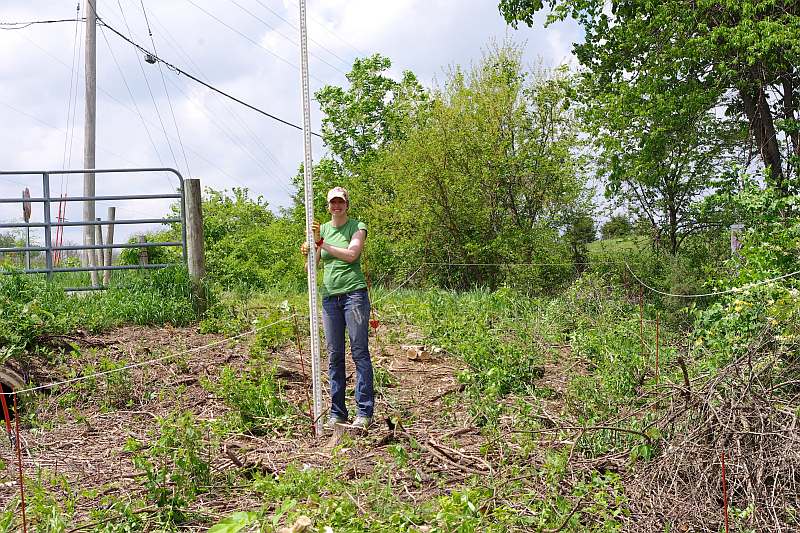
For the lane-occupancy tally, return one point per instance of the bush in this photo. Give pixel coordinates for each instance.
(616, 227)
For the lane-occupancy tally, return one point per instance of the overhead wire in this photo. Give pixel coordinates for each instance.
(136, 107)
(26, 24)
(250, 39)
(290, 39)
(71, 92)
(177, 86)
(169, 99)
(75, 106)
(294, 27)
(201, 82)
(149, 90)
(124, 106)
(233, 138)
(130, 93)
(333, 33)
(229, 110)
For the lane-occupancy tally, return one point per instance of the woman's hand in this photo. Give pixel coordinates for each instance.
(304, 248)
(315, 231)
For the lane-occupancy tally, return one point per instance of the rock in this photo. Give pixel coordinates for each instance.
(302, 525)
(416, 352)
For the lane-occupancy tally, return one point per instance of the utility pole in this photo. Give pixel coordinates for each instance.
(90, 118)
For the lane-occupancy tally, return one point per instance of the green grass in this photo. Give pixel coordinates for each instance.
(618, 246)
(33, 310)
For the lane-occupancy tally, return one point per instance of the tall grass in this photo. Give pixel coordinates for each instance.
(33, 309)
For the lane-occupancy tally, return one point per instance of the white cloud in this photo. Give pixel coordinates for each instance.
(226, 144)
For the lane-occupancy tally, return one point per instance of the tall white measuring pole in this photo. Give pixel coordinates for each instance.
(309, 198)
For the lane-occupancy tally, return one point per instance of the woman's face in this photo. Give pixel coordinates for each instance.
(337, 206)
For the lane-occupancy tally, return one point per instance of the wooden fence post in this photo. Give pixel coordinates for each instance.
(195, 254)
(109, 252)
(98, 253)
(143, 257)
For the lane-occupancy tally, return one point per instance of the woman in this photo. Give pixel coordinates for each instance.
(345, 304)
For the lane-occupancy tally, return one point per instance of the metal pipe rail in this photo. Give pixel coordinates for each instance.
(46, 200)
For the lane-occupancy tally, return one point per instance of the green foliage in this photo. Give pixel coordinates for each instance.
(234, 523)
(119, 516)
(359, 122)
(771, 247)
(247, 246)
(486, 175)
(256, 399)
(617, 226)
(155, 254)
(24, 315)
(486, 330)
(579, 233)
(275, 330)
(32, 310)
(737, 56)
(175, 467)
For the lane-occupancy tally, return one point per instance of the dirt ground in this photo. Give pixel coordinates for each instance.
(85, 442)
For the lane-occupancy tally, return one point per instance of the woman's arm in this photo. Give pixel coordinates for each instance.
(352, 252)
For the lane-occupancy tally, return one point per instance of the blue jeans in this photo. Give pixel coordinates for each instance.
(349, 310)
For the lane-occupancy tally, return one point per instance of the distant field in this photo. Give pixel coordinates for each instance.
(618, 245)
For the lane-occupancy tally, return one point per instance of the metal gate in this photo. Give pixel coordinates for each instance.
(47, 200)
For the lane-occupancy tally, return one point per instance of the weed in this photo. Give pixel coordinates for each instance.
(176, 467)
(256, 397)
(275, 330)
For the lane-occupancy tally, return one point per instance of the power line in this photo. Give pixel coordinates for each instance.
(26, 24)
(293, 26)
(169, 99)
(71, 93)
(324, 27)
(201, 82)
(229, 110)
(265, 23)
(42, 122)
(122, 104)
(245, 36)
(133, 99)
(234, 140)
(150, 91)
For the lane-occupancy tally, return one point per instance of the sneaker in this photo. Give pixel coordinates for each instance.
(332, 421)
(362, 422)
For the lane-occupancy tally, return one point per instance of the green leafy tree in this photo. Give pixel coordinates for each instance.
(485, 176)
(616, 227)
(246, 244)
(358, 122)
(660, 157)
(738, 57)
(579, 233)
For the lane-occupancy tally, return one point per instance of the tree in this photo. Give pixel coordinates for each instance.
(616, 227)
(485, 175)
(744, 55)
(358, 122)
(369, 114)
(660, 155)
(579, 233)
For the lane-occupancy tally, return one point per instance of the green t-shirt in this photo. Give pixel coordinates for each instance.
(339, 276)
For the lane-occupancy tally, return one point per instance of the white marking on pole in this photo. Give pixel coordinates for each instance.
(309, 200)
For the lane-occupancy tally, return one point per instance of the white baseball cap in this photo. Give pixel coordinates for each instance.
(339, 192)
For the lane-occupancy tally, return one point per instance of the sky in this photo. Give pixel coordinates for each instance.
(149, 116)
